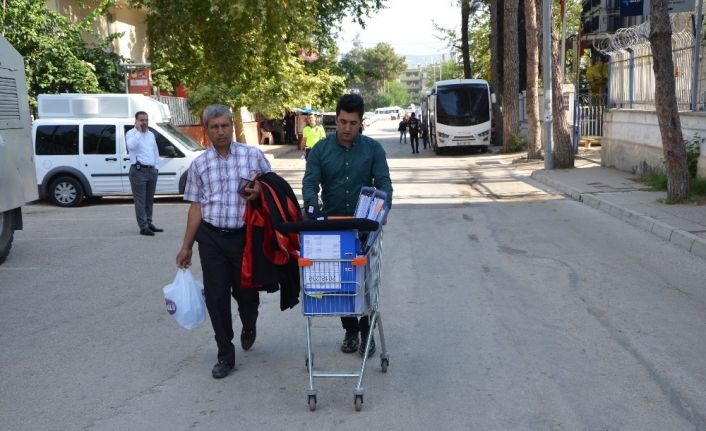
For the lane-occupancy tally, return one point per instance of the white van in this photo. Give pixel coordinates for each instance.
(80, 149)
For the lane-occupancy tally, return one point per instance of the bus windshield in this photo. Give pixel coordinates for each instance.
(462, 105)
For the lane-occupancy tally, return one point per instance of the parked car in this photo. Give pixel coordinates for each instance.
(80, 149)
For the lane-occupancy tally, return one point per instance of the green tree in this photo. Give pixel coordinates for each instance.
(449, 69)
(394, 94)
(368, 70)
(57, 57)
(673, 146)
(247, 52)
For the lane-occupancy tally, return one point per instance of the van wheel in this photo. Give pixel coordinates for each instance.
(66, 192)
(7, 230)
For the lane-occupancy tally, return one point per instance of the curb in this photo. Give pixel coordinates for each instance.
(678, 237)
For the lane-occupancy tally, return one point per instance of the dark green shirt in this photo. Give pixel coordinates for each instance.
(341, 172)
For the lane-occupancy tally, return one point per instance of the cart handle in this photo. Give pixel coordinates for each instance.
(356, 261)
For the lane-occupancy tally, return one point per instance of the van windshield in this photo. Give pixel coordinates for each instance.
(182, 137)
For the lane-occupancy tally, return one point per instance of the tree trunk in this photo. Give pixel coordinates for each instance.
(511, 86)
(666, 103)
(563, 150)
(496, 69)
(465, 12)
(534, 134)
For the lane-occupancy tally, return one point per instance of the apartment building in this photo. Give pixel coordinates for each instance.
(604, 17)
(415, 81)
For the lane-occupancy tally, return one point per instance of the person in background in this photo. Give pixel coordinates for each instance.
(413, 125)
(339, 166)
(144, 170)
(402, 128)
(311, 134)
(215, 221)
(266, 133)
(425, 132)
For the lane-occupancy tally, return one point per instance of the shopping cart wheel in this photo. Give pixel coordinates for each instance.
(358, 402)
(312, 402)
(384, 363)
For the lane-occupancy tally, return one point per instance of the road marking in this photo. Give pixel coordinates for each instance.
(19, 268)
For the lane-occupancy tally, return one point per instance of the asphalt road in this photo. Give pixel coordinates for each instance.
(505, 308)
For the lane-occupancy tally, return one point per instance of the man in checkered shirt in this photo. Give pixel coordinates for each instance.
(218, 187)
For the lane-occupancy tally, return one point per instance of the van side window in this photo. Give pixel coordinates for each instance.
(56, 140)
(165, 148)
(99, 139)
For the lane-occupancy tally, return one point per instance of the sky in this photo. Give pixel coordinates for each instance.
(406, 25)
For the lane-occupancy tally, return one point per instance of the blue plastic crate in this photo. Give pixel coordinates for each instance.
(324, 276)
(332, 288)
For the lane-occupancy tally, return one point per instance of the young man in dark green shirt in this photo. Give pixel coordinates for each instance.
(340, 165)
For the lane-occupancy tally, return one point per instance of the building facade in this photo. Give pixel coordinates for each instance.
(414, 79)
(132, 45)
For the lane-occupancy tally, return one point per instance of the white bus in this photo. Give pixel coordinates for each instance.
(391, 112)
(460, 114)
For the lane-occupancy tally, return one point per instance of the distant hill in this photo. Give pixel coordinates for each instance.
(421, 60)
(414, 60)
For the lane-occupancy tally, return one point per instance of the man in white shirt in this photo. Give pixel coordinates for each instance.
(144, 169)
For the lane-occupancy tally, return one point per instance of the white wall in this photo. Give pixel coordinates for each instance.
(632, 141)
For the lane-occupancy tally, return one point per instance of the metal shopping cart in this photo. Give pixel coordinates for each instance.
(339, 279)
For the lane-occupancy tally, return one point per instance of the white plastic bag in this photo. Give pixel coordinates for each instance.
(184, 299)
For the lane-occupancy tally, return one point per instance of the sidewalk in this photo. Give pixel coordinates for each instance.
(621, 195)
(277, 151)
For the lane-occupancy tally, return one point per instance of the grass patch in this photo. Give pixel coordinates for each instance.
(658, 182)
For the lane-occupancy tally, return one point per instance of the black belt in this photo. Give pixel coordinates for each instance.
(140, 166)
(220, 229)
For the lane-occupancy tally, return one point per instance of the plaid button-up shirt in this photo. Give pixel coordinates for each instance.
(213, 182)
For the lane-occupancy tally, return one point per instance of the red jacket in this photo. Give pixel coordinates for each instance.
(270, 257)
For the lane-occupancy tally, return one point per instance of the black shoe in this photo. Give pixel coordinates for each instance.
(146, 232)
(221, 369)
(247, 338)
(154, 228)
(361, 349)
(350, 342)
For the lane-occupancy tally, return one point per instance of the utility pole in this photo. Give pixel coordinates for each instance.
(562, 54)
(547, 82)
(697, 55)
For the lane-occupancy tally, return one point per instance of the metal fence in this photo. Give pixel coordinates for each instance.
(631, 80)
(590, 120)
(178, 107)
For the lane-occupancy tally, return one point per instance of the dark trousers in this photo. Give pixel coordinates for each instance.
(307, 150)
(414, 140)
(143, 183)
(351, 324)
(221, 258)
(403, 134)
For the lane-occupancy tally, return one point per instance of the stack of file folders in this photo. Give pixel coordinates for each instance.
(371, 206)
